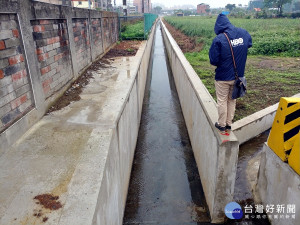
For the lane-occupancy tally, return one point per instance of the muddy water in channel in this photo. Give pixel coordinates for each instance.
(248, 151)
(165, 186)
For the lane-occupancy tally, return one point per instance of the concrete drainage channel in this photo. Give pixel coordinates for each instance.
(165, 186)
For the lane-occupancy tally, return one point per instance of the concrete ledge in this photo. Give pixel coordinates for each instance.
(253, 125)
(216, 155)
(82, 153)
(278, 184)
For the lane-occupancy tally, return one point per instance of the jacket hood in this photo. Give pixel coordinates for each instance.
(222, 23)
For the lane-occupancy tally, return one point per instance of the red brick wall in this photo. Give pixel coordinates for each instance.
(106, 32)
(82, 43)
(115, 32)
(110, 31)
(53, 54)
(15, 91)
(96, 36)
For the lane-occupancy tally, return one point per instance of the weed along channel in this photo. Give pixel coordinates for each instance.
(165, 186)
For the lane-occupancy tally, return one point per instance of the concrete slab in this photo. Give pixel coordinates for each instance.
(67, 152)
(279, 185)
(253, 125)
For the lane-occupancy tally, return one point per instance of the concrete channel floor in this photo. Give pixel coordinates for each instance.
(64, 153)
(165, 186)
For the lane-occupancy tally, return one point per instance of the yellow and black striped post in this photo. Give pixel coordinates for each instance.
(294, 158)
(284, 135)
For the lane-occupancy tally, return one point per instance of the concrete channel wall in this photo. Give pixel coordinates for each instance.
(278, 184)
(116, 176)
(43, 48)
(216, 155)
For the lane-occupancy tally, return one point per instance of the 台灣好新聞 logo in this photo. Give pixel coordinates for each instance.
(233, 211)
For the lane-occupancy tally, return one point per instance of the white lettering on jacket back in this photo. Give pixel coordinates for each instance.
(237, 42)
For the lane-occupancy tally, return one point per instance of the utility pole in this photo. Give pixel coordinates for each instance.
(125, 7)
(143, 6)
(89, 4)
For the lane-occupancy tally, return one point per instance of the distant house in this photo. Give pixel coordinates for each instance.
(57, 2)
(132, 9)
(202, 8)
(102, 4)
(84, 4)
(179, 14)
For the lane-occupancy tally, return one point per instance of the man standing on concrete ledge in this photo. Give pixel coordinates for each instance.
(221, 57)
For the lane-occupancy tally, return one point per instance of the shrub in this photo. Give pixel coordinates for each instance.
(132, 31)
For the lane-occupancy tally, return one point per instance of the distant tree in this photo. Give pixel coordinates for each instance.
(207, 10)
(296, 6)
(230, 6)
(157, 9)
(216, 11)
(277, 4)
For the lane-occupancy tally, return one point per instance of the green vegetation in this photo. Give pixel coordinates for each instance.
(272, 70)
(273, 37)
(133, 30)
(137, 29)
(230, 7)
(276, 3)
(268, 79)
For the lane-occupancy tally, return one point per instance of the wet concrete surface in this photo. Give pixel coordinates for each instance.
(165, 186)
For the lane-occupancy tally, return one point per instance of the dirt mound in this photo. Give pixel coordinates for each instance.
(124, 48)
(186, 43)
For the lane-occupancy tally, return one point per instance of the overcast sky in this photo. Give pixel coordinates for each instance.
(212, 3)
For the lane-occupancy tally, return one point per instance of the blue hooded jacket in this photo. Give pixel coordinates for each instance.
(220, 54)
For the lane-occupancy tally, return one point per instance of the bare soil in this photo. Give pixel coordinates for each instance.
(186, 43)
(72, 94)
(124, 48)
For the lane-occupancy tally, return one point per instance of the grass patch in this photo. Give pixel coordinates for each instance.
(265, 84)
(133, 31)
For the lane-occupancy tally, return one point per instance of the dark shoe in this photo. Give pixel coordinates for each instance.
(228, 128)
(222, 129)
